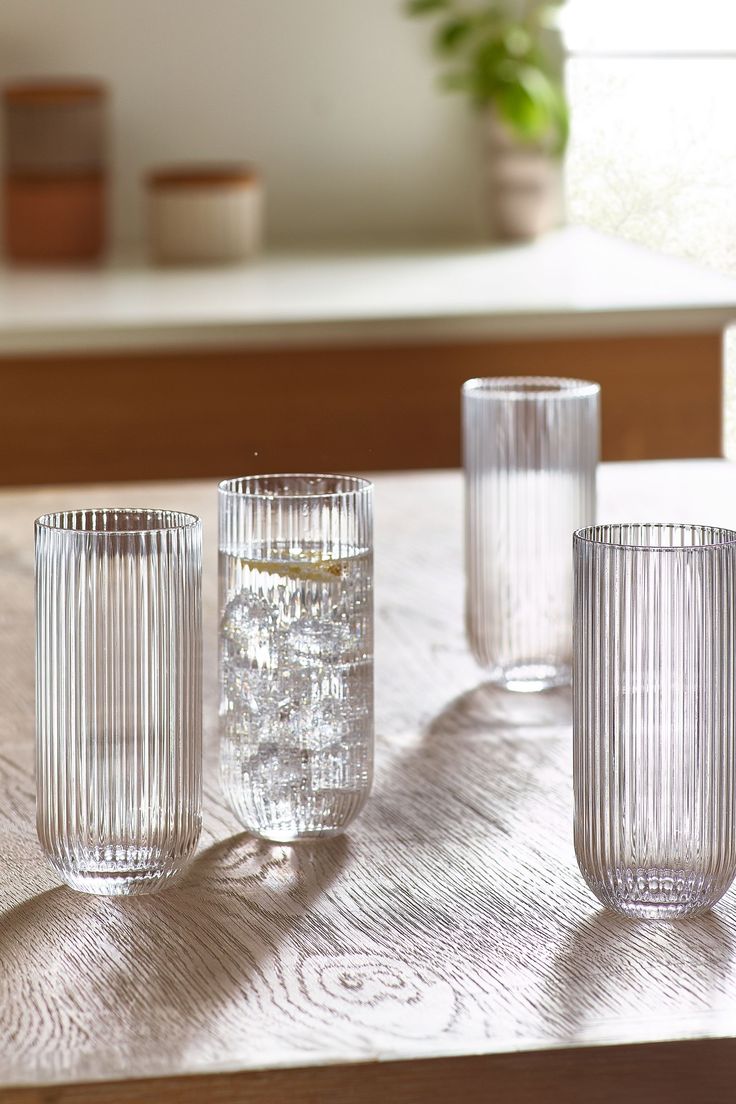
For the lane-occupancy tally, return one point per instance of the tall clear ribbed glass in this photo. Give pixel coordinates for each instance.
(296, 652)
(118, 696)
(654, 699)
(531, 452)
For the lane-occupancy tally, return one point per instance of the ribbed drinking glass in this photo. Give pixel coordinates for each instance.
(654, 699)
(531, 451)
(296, 651)
(118, 696)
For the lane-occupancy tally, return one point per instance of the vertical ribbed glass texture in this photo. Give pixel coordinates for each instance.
(296, 651)
(653, 691)
(531, 451)
(118, 696)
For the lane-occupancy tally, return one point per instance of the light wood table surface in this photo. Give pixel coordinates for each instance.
(445, 949)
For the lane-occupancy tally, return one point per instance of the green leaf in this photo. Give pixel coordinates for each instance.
(486, 66)
(421, 7)
(491, 56)
(562, 122)
(528, 118)
(517, 41)
(531, 104)
(452, 34)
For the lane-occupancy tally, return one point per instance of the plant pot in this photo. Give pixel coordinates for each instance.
(523, 185)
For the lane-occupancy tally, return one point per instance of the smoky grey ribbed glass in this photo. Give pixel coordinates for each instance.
(654, 699)
(118, 696)
(296, 651)
(531, 452)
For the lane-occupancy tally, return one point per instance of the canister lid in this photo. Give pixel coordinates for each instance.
(52, 92)
(201, 176)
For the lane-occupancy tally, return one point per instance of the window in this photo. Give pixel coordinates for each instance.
(652, 154)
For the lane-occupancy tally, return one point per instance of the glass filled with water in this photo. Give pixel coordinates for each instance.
(531, 451)
(296, 652)
(118, 696)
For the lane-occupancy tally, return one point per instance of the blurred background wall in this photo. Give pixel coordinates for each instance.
(335, 100)
(337, 103)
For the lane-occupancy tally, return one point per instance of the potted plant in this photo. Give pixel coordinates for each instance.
(508, 63)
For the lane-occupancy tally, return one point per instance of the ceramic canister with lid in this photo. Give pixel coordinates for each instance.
(55, 170)
(204, 214)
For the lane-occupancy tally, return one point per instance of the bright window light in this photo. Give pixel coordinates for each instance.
(652, 156)
(655, 26)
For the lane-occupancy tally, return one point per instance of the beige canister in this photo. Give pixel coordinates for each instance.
(204, 214)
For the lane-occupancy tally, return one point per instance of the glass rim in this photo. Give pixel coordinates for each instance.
(185, 521)
(530, 387)
(356, 485)
(586, 535)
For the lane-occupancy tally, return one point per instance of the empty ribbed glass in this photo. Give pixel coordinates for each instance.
(531, 451)
(296, 651)
(654, 699)
(118, 696)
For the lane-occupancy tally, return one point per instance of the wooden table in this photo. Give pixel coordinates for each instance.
(444, 950)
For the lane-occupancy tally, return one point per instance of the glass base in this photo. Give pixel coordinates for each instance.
(658, 893)
(326, 815)
(288, 836)
(126, 876)
(530, 678)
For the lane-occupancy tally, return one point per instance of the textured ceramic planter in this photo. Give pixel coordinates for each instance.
(523, 184)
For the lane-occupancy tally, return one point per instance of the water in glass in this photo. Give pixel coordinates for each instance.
(296, 688)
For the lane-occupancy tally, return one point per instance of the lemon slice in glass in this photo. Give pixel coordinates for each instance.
(314, 571)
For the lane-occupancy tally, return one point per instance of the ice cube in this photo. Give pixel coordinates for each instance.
(248, 632)
(316, 640)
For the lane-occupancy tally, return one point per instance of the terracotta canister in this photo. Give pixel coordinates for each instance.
(204, 214)
(55, 170)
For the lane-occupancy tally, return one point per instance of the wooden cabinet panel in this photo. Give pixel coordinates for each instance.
(101, 417)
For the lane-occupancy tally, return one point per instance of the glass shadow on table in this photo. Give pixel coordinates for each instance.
(126, 980)
(487, 707)
(487, 759)
(613, 969)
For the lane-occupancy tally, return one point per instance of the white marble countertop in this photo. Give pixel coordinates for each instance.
(573, 283)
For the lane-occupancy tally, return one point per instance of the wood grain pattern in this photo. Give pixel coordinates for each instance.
(446, 945)
(383, 407)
